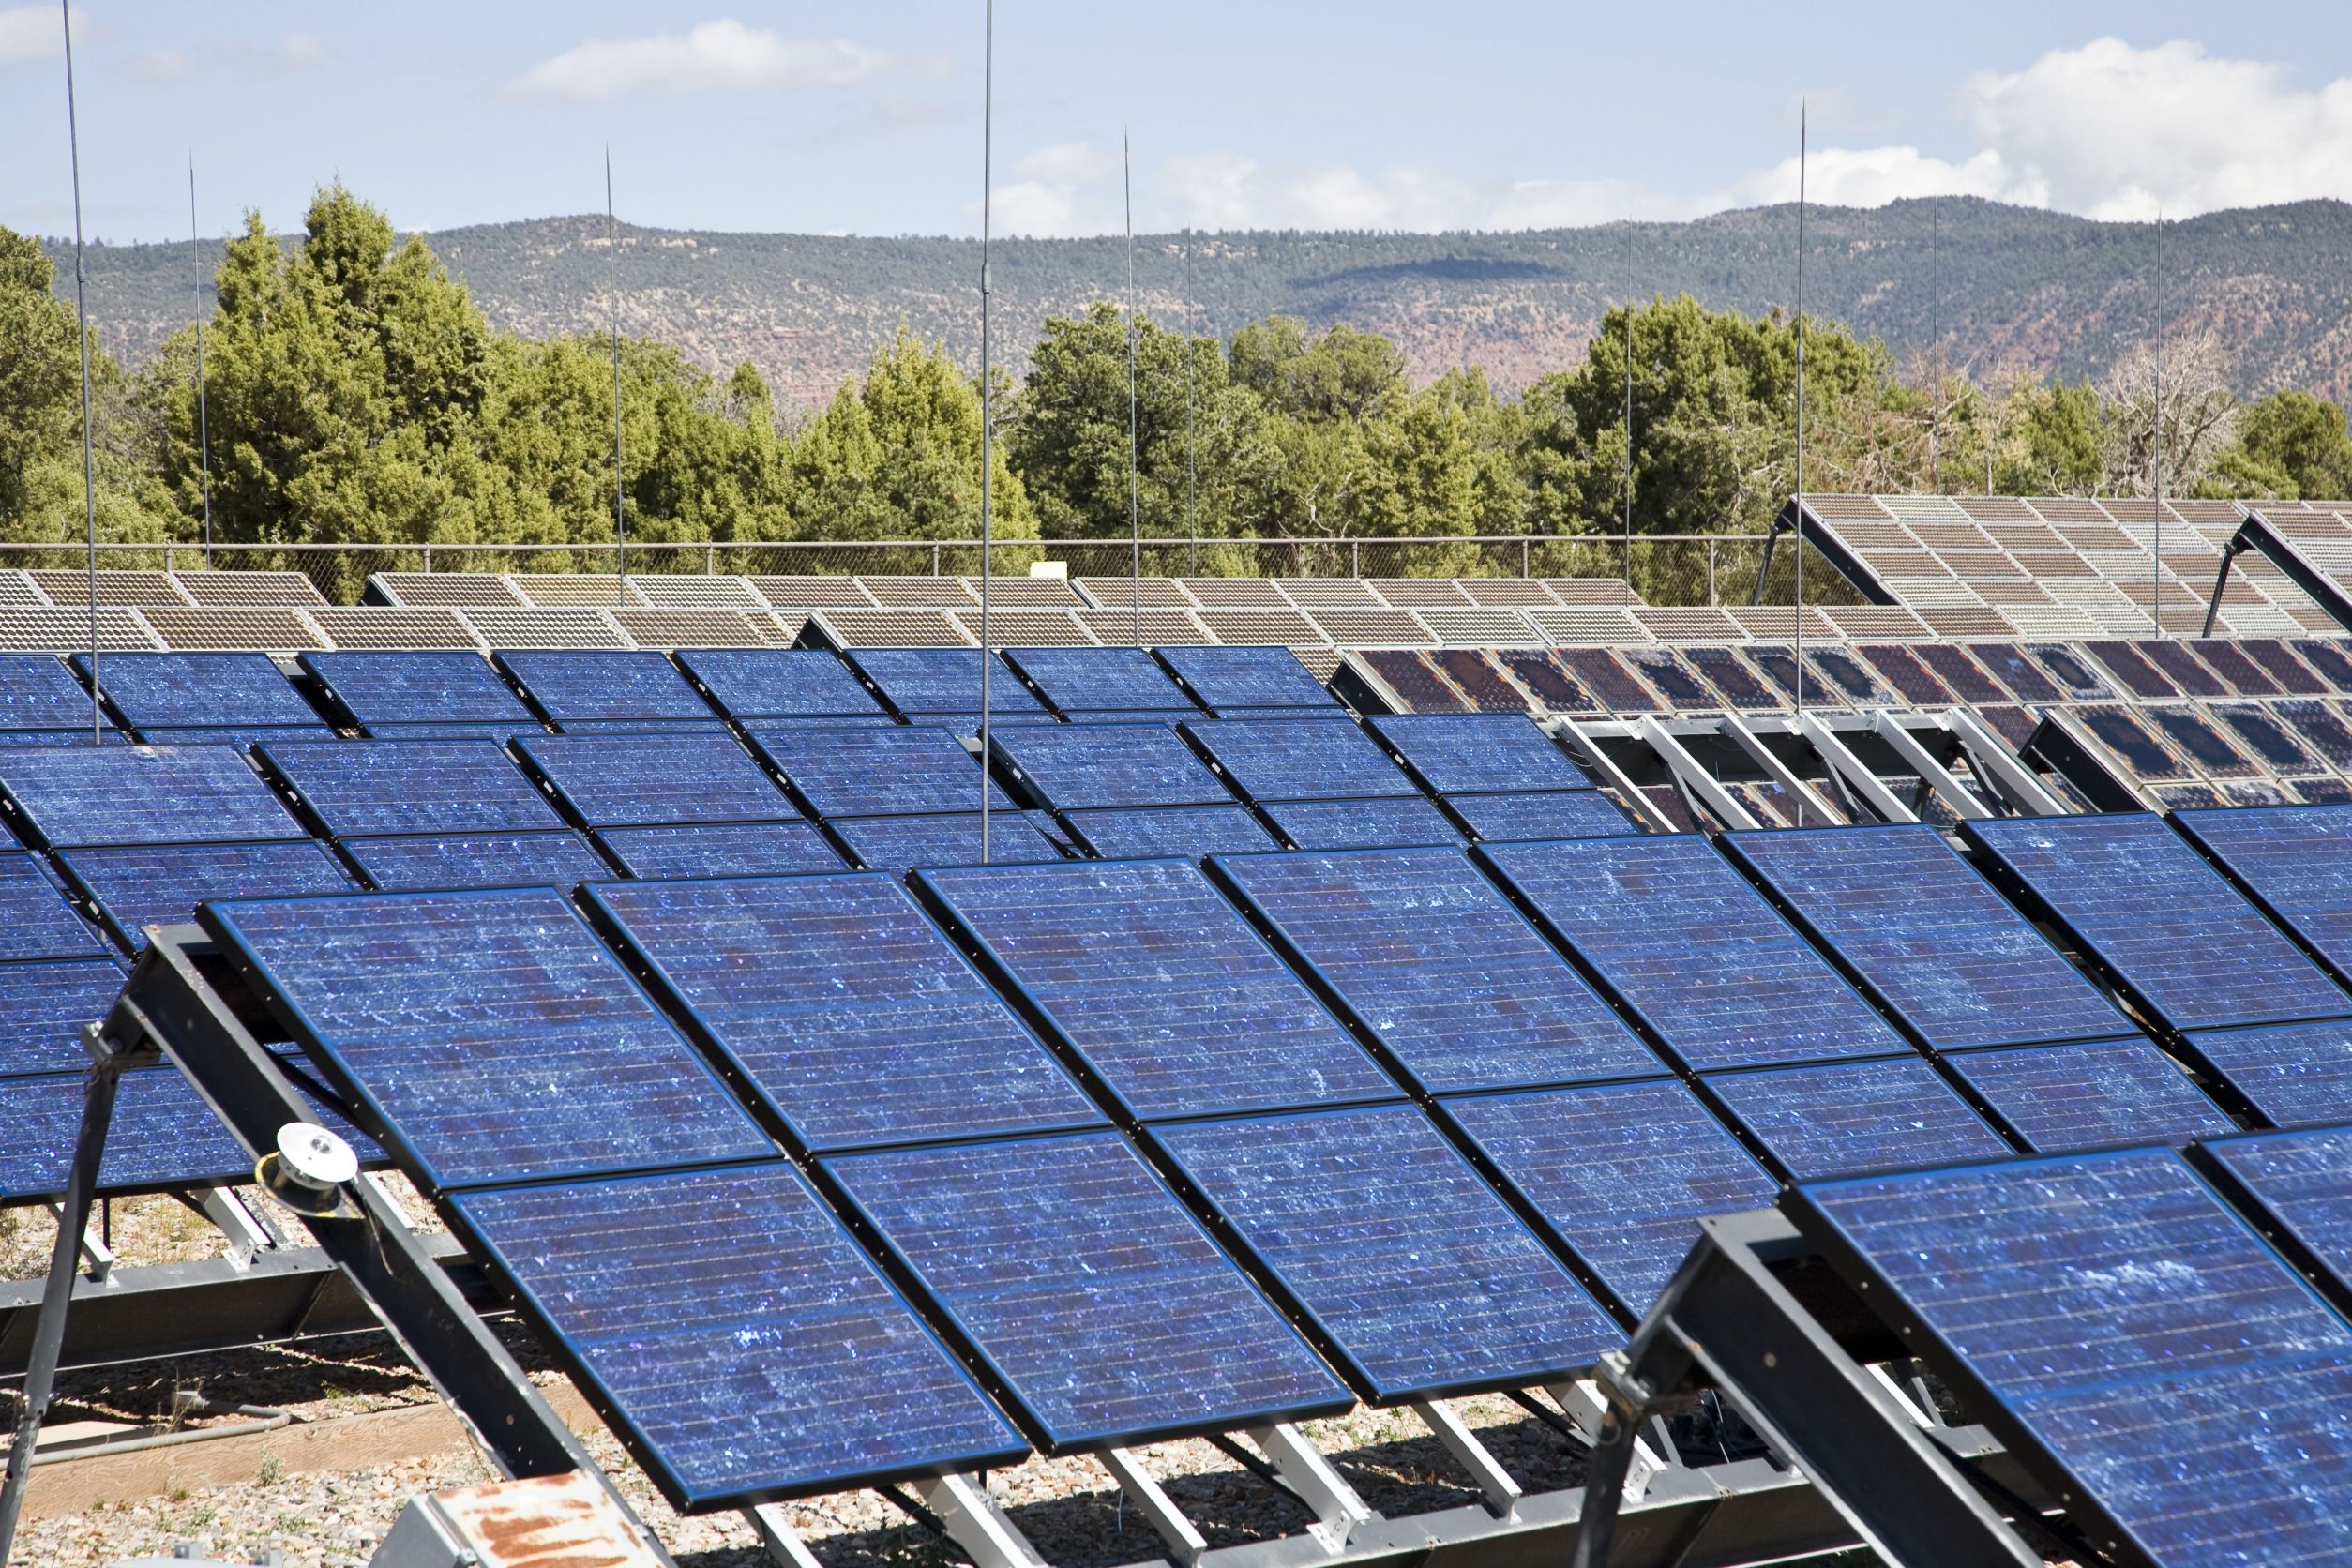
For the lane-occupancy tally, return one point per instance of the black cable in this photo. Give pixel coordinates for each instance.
(914, 1511)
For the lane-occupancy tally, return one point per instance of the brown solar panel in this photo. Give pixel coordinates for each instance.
(919, 593)
(1967, 621)
(1690, 625)
(1317, 593)
(1116, 627)
(1229, 593)
(1017, 627)
(1901, 669)
(1579, 590)
(2097, 534)
(1479, 628)
(812, 593)
(33, 628)
(113, 587)
(1415, 682)
(2068, 508)
(1833, 507)
(1290, 628)
(1322, 663)
(2044, 564)
(1975, 564)
(414, 589)
(2014, 536)
(1508, 591)
(1548, 681)
(1961, 675)
(231, 627)
(1778, 622)
(1588, 625)
(663, 590)
(1912, 561)
(1875, 620)
(788, 625)
(2021, 591)
(1600, 673)
(1952, 535)
(2207, 511)
(1414, 593)
(375, 625)
(557, 590)
(1371, 627)
(228, 589)
(1164, 592)
(1877, 536)
(891, 628)
(1026, 591)
(16, 587)
(1476, 676)
(1995, 508)
(571, 627)
(701, 628)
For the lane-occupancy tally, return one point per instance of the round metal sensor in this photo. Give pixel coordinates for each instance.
(315, 1157)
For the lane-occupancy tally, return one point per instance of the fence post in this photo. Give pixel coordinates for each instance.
(710, 560)
(429, 558)
(935, 571)
(1711, 571)
(1355, 559)
(167, 555)
(1524, 573)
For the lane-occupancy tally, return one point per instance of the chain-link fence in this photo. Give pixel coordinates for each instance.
(1665, 568)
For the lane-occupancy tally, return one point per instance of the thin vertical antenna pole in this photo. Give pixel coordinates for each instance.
(613, 245)
(1629, 414)
(81, 322)
(1135, 453)
(1935, 324)
(203, 425)
(1799, 623)
(988, 403)
(1192, 438)
(2156, 551)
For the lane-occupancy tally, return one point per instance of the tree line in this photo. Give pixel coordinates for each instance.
(355, 394)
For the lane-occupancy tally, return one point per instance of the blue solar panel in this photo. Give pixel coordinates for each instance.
(495, 1036)
(1162, 985)
(1078, 680)
(1069, 766)
(1432, 961)
(35, 921)
(1693, 949)
(362, 787)
(2066, 1098)
(1362, 824)
(1187, 831)
(1621, 1173)
(43, 1007)
(877, 1031)
(743, 1344)
(427, 862)
(2298, 1075)
(951, 838)
(418, 686)
(243, 736)
(185, 689)
(1480, 752)
(62, 797)
(1300, 758)
(2185, 1382)
(39, 692)
(500, 732)
(570, 683)
(1550, 814)
(766, 682)
(1850, 1117)
(2188, 943)
(649, 781)
(140, 886)
(941, 681)
(1951, 957)
(111, 736)
(1100, 1302)
(1245, 677)
(877, 770)
(1420, 1277)
(2297, 860)
(713, 726)
(2302, 1183)
(728, 850)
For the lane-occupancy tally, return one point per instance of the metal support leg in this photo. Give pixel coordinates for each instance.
(249, 1236)
(2221, 581)
(1853, 781)
(1502, 1493)
(1932, 775)
(1998, 769)
(96, 1254)
(1764, 570)
(1185, 1543)
(781, 1541)
(977, 1524)
(1337, 1509)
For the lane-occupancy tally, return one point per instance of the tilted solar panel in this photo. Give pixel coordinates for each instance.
(1431, 959)
(39, 692)
(1091, 1293)
(1951, 957)
(499, 733)
(373, 786)
(2115, 1319)
(2010, 665)
(243, 736)
(1228, 677)
(190, 689)
(1073, 766)
(941, 681)
(1299, 759)
(1849, 1117)
(2300, 1182)
(877, 1031)
(768, 683)
(603, 682)
(1381, 1232)
(1479, 752)
(2167, 924)
(66, 797)
(2298, 860)
(1544, 814)
(2066, 1098)
(1362, 824)
(418, 686)
(740, 1342)
(877, 771)
(1621, 1172)
(1188, 831)
(1683, 939)
(140, 886)
(2321, 728)
(1160, 985)
(949, 839)
(1078, 680)
(653, 780)
(492, 1036)
(2268, 738)
(424, 862)
(726, 849)
(42, 1008)
(35, 921)
(711, 726)
(2298, 1075)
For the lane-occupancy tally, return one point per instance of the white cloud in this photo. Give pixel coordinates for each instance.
(294, 52)
(1066, 163)
(712, 56)
(30, 33)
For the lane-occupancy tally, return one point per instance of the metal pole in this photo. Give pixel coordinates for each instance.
(1192, 437)
(1135, 453)
(89, 456)
(1936, 398)
(1629, 416)
(613, 245)
(988, 404)
(1798, 624)
(2156, 551)
(204, 424)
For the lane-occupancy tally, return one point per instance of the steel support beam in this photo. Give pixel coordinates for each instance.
(1811, 807)
(1856, 782)
(1999, 769)
(1957, 796)
(1697, 785)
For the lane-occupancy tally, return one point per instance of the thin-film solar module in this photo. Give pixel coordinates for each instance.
(1188, 831)
(2268, 738)
(418, 686)
(1077, 680)
(1381, 1231)
(2245, 677)
(942, 681)
(1073, 766)
(1093, 1295)
(570, 684)
(877, 1031)
(949, 839)
(1431, 961)
(1952, 957)
(1553, 687)
(35, 921)
(650, 781)
(2195, 737)
(1224, 678)
(1299, 759)
(2073, 674)
(2329, 657)
(2195, 676)
(1683, 939)
(1849, 1117)
(2298, 1182)
(39, 692)
(424, 862)
(1734, 677)
(1684, 690)
(2114, 1315)
(2298, 1075)
(2066, 1098)
(770, 682)
(2321, 726)
(877, 771)
(1617, 688)
(2278, 661)
(140, 886)
(66, 797)
(1480, 753)
(1160, 985)
(1961, 675)
(494, 1037)
(43, 1007)
(190, 689)
(1362, 824)
(372, 786)
(1621, 1172)
(2146, 903)
(2298, 860)
(739, 1340)
(725, 849)
(2011, 666)
(1547, 814)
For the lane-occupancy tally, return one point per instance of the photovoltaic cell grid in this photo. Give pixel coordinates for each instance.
(1850, 1117)
(418, 686)
(1682, 939)
(725, 849)
(1951, 957)
(42, 1008)
(424, 862)
(39, 692)
(1543, 814)
(138, 885)
(2301, 1182)
(954, 839)
(1072, 767)
(2297, 860)
(356, 788)
(36, 921)
(650, 781)
(68, 797)
(1299, 759)
(1090, 1290)
(776, 683)
(2296, 1075)
(1082, 680)
(1224, 678)
(877, 771)
(1479, 753)
(2113, 1312)
(2148, 905)
(942, 681)
(1361, 825)
(152, 690)
(570, 683)
(2064, 1100)
(1189, 832)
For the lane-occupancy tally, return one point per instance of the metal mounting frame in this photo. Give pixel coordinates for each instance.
(2258, 533)
(1809, 803)
(2077, 755)
(1589, 752)
(1856, 783)
(1697, 786)
(1998, 768)
(1956, 796)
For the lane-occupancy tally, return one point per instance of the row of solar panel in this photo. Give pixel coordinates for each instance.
(1481, 1097)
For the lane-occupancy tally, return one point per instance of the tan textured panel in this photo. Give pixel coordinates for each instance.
(1699, 623)
(415, 589)
(71, 588)
(558, 590)
(1480, 628)
(233, 628)
(933, 592)
(1372, 628)
(375, 625)
(1833, 507)
(1875, 620)
(1592, 590)
(893, 628)
(31, 628)
(1020, 627)
(2014, 536)
(1995, 508)
(1942, 536)
(1230, 593)
(812, 593)
(2069, 509)
(1026, 591)
(2019, 592)
(1290, 628)
(700, 629)
(1962, 622)
(2041, 565)
(1116, 627)
(1163, 592)
(17, 587)
(1589, 623)
(228, 589)
(1521, 590)
(663, 590)
(1321, 663)
(1913, 562)
(1778, 622)
(571, 627)
(1416, 593)
(1317, 593)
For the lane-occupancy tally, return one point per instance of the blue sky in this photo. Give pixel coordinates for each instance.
(1485, 113)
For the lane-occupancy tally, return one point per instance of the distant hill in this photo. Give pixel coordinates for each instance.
(2019, 287)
